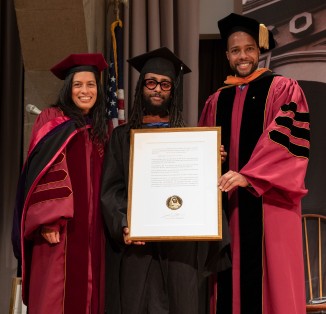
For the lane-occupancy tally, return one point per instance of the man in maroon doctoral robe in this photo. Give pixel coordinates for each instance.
(265, 130)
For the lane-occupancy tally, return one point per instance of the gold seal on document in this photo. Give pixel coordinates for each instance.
(174, 202)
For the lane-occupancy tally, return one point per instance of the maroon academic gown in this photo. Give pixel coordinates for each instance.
(67, 277)
(274, 163)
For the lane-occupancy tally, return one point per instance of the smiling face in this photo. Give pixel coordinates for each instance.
(84, 91)
(242, 53)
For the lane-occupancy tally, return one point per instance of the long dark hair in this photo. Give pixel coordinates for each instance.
(96, 116)
(137, 111)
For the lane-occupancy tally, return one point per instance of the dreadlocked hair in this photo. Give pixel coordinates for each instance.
(96, 117)
(175, 108)
(136, 115)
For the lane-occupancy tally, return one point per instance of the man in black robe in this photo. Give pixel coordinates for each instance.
(156, 277)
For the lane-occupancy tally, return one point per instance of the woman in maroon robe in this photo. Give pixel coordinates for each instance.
(62, 239)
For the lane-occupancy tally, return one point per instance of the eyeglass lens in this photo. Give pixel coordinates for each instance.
(151, 84)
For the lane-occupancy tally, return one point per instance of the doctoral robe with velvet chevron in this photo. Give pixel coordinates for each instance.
(265, 130)
(59, 189)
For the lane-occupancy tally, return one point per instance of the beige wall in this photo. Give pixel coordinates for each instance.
(213, 10)
(48, 34)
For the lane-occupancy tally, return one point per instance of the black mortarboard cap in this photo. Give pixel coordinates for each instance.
(163, 61)
(78, 62)
(160, 61)
(237, 23)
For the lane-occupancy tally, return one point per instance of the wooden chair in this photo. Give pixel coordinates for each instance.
(314, 232)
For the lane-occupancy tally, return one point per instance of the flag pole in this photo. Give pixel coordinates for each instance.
(115, 91)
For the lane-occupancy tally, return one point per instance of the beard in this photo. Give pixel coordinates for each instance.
(155, 110)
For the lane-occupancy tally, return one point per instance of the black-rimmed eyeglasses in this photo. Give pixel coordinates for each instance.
(151, 84)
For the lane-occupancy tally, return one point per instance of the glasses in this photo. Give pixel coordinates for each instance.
(151, 84)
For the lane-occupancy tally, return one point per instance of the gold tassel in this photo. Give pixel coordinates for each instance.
(263, 37)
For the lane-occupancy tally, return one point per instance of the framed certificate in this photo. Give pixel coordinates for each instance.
(173, 193)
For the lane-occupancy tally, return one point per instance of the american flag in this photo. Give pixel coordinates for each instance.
(115, 92)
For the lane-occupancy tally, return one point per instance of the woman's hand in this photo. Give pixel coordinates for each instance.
(50, 235)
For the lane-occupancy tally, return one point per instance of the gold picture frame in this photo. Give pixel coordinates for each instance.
(173, 193)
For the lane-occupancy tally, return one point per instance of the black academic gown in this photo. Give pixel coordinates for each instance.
(160, 277)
